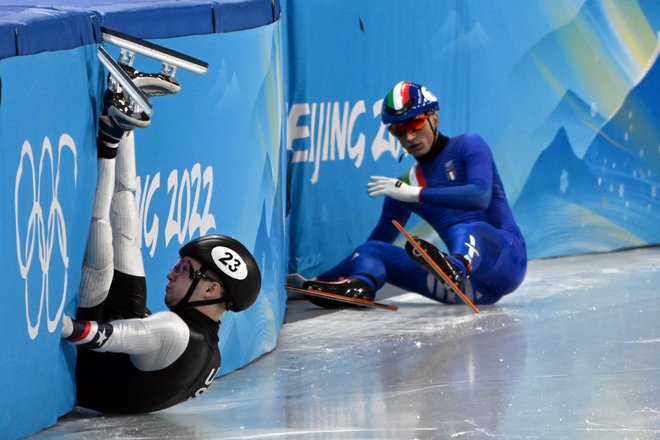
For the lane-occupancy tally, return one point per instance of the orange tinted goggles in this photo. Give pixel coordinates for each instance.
(408, 126)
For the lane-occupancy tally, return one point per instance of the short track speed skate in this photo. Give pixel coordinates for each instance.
(137, 100)
(152, 84)
(170, 59)
(448, 280)
(333, 300)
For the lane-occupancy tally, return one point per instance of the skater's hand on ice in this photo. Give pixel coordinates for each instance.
(394, 188)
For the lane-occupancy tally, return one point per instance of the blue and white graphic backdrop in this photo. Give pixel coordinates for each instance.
(47, 184)
(210, 162)
(565, 92)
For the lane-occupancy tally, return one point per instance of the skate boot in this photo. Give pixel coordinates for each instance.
(444, 261)
(117, 119)
(152, 84)
(349, 287)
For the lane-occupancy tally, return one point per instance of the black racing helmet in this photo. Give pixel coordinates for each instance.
(231, 263)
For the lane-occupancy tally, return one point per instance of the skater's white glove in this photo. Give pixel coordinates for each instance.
(394, 188)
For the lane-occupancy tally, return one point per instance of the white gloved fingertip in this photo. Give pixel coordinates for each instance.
(67, 327)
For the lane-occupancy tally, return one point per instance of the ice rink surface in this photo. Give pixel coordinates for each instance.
(573, 354)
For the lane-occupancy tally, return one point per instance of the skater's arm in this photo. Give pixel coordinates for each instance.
(477, 191)
(475, 195)
(473, 192)
(163, 331)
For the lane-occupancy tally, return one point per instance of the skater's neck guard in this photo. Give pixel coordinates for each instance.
(437, 147)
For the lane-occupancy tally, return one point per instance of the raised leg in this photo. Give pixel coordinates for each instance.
(98, 262)
(124, 212)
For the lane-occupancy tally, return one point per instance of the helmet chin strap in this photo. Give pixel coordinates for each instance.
(206, 302)
(185, 301)
(434, 129)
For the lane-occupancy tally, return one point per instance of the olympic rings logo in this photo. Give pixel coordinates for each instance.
(43, 229)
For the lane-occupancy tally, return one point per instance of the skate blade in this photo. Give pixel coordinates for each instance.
(437, 272)
(341, 298)
(152, 50)
(125, 82)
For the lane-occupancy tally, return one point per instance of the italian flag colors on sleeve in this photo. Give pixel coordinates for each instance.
(414, 177)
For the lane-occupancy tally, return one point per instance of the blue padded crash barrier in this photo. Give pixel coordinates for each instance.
(27, 28)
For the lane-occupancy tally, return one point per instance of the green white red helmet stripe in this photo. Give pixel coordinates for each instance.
(406, 100)
(399, 95)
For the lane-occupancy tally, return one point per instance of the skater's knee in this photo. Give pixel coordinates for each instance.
(125, 219)
(94, 285)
